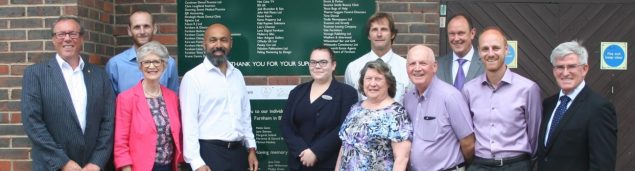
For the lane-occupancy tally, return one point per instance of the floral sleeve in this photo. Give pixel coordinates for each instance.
(400, 127)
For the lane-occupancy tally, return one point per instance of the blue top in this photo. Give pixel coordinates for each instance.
(124, 72)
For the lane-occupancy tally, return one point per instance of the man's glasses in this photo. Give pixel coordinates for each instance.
(153, 62)
(62, 35)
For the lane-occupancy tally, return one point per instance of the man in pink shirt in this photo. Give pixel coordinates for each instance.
(506, 109)
(443, 134)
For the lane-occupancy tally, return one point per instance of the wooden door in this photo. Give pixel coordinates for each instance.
(539, 26)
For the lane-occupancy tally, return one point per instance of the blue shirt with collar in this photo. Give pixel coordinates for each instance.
(124, 72)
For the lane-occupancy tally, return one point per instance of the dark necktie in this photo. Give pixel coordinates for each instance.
(460, 76)
(564, 100)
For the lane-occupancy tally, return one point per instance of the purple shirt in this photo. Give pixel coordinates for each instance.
(440, 119)
(506, 119)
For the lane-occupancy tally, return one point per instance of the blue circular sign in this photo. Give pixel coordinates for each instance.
(509, 57)
(614, 55)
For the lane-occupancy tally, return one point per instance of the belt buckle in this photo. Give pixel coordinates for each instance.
(500, 163)
(229, 145)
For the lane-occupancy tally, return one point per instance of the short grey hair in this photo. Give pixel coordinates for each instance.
(68, 17)
(384, 69)
(153, 47)
(567, 48)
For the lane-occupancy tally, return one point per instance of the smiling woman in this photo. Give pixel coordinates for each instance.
(148, 106)
(376, 134)
(314, 113)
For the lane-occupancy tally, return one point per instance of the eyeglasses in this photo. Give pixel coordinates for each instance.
(153, 62)
(62, 35)
(560, 68)
(322, 63)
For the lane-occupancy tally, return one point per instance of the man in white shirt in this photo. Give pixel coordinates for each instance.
(381, 33)
(216, 116)
(463, 64)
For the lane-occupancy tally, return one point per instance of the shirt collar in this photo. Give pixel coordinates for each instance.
(575, 92)
(507, 78)
(63, 64)
(387, 57)
(132, 54)
(467, 57)
(427, 92)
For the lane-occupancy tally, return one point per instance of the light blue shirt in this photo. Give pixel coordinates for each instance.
(124, 72)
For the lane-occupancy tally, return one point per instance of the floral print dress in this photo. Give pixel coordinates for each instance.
(367, 136)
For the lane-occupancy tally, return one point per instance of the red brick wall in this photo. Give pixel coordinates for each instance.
(25, 39)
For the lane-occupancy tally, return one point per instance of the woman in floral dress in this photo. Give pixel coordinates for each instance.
(376, 133)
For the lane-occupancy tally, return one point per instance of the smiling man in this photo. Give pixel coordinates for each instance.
(443, 134)
(381, 34)
(123, 68)
(505, 108)
(68, 106)
(579, 126)
(463, 64)
(215, 110)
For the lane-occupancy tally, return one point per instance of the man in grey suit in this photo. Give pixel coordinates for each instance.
(463, 64)
(68, 106)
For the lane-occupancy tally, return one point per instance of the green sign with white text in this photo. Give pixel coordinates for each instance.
(265, 121)
(275, 37)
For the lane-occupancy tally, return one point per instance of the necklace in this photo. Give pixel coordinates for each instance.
(149, 94)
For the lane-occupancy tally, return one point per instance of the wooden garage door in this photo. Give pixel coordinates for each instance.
(539, 26)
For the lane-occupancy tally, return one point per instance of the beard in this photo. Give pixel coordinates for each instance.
(216, 60)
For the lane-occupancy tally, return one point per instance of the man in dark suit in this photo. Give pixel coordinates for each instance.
(579, 126)
(461, 32)
(68, 106)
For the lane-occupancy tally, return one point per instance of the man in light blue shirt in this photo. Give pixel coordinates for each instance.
(123, 68)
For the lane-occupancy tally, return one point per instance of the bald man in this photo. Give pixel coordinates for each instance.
(215, 110)
(506, 110)
(443, 134)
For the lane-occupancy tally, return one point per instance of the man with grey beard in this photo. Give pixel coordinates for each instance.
(215, 110)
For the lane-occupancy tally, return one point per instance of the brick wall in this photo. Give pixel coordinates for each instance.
(25, 39)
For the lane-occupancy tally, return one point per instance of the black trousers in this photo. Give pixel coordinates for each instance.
(519, 163)
(162, 167)
(221, 157)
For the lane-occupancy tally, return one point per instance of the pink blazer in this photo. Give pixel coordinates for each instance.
(136, 132)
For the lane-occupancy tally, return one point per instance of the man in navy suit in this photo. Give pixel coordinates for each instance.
(579, 126)
(68, 106)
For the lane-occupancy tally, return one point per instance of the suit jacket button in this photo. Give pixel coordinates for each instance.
(546, 159)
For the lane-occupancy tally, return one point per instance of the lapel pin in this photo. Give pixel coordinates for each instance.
(327, 97)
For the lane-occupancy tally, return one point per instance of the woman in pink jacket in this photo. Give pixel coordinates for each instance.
(147, 122)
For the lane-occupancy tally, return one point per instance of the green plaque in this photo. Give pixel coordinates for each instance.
(275, 37)
(265, 121)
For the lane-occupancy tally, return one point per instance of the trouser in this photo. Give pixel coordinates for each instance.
(518, 163)
(223, 155)
(162, 167)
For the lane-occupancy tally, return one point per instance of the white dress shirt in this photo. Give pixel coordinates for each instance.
(571, 95)
(398, 69)
(214, 106)
(466, 65)
(75, 83)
